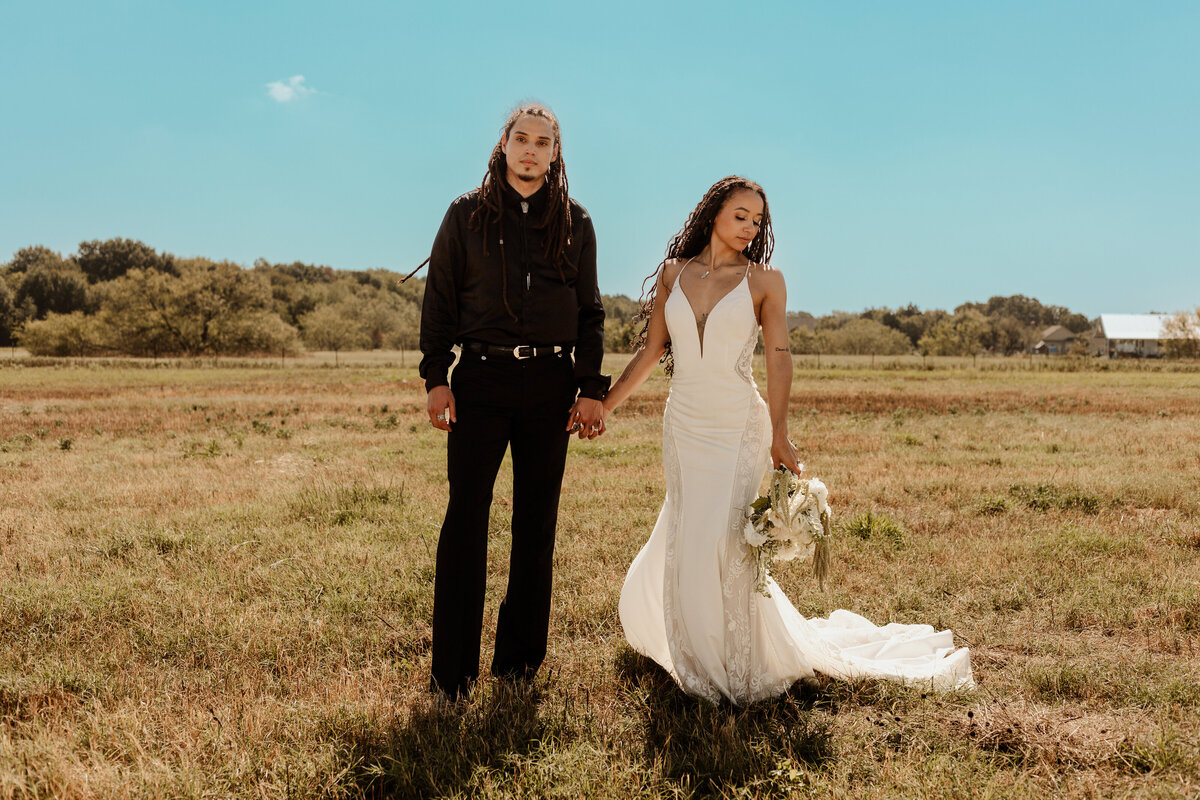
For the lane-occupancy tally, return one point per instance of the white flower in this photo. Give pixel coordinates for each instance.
(788, 552)
(798, 504)
(792, 525)
(814, 526)
(788, 534)
(753, 536)
(820, 493)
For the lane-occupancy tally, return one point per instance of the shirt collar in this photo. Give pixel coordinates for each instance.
(537, 201)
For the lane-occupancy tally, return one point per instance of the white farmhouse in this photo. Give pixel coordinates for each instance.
(1138, 335)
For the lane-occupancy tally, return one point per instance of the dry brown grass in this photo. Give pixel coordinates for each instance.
(216, 580)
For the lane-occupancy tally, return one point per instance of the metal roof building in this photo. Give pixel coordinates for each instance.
(1129, 334)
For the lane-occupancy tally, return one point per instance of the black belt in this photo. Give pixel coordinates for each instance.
(520, 352)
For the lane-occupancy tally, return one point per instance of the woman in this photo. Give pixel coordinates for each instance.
(689, 600)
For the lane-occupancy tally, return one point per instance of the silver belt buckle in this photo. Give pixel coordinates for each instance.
(517, 352)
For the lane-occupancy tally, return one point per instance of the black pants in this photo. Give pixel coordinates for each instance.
(500, 402)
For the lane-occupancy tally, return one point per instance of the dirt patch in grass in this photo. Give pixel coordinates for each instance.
(1046, 738)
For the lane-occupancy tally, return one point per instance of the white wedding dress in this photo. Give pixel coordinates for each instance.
(689, 600)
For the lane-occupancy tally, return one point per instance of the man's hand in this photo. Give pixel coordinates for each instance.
(440, 405)
(587, 418)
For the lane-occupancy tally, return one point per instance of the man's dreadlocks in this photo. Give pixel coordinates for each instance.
(557, 219)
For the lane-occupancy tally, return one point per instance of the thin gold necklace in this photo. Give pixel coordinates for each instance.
(711, 267)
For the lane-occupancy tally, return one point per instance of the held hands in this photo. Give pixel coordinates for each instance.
(784, 452)
(586, 418)
(440, 405)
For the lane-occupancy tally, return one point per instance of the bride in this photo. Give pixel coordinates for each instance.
(689, 601)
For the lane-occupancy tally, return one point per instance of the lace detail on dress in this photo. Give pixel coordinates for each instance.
(737, 587)
(745, 361)
(689, 599)
(683, 657)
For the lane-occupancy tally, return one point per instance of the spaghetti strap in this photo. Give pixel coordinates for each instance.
(679, 274)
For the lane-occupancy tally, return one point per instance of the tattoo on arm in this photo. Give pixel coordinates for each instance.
(781, 350)
(631, 366)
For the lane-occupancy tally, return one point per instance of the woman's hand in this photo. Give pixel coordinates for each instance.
(785, 453)
(586, 418)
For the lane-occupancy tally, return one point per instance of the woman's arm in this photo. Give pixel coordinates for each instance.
(773, 316)
(647, 356)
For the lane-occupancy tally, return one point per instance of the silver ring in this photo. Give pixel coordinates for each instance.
(441, 417)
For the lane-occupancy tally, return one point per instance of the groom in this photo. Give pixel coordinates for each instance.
(512, 280)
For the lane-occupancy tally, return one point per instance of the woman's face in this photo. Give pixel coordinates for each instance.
(739, 220)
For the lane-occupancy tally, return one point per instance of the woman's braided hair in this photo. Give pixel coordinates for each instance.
(694, 236)
(557, 219)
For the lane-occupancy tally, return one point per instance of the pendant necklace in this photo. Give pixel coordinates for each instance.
(711, 268)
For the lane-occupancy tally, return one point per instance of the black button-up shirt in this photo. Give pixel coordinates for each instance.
(464, 289)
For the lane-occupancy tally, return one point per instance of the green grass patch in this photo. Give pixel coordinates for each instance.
(1043, 497)
(875, 527)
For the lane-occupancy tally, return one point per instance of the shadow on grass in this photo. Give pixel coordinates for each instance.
(715, 749)
(437, 750)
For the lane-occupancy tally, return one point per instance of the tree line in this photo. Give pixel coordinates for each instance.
(1002, 325)
(121, 296)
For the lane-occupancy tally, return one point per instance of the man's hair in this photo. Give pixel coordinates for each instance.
(556, 220)
(695, 235)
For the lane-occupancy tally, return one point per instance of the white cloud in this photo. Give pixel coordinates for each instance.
(288, 90)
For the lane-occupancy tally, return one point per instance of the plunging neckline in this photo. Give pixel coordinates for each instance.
(696, 320)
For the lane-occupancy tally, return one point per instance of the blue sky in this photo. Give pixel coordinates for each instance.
(927, 152)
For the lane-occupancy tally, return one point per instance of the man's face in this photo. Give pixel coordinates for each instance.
(529, 150)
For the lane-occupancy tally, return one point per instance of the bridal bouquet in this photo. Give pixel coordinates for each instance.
(791, 521)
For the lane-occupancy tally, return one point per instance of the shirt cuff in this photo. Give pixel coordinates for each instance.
(595, 388)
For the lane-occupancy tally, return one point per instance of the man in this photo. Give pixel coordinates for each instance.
(512, 279)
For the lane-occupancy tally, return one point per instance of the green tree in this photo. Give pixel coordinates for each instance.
(802, 319)
(915, 323)
(296, 288)
(407, 333)
(1007, 335)
(73, 334)
(863, 337)
(1075, 323)
(803, 341)
(378, 314)
(254, 331)
(110, 259)
(28, 257)
(621, 323)
(47, 287)
(333, 328)
(1181, 335)
(835, 320)
(209, 309)
(619, 334)
(960, 335)
(8, 315)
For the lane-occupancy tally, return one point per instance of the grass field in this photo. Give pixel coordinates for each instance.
(216, 580)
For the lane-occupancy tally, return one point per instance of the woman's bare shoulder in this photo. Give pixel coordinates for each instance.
(766, 275)
(670, 271)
